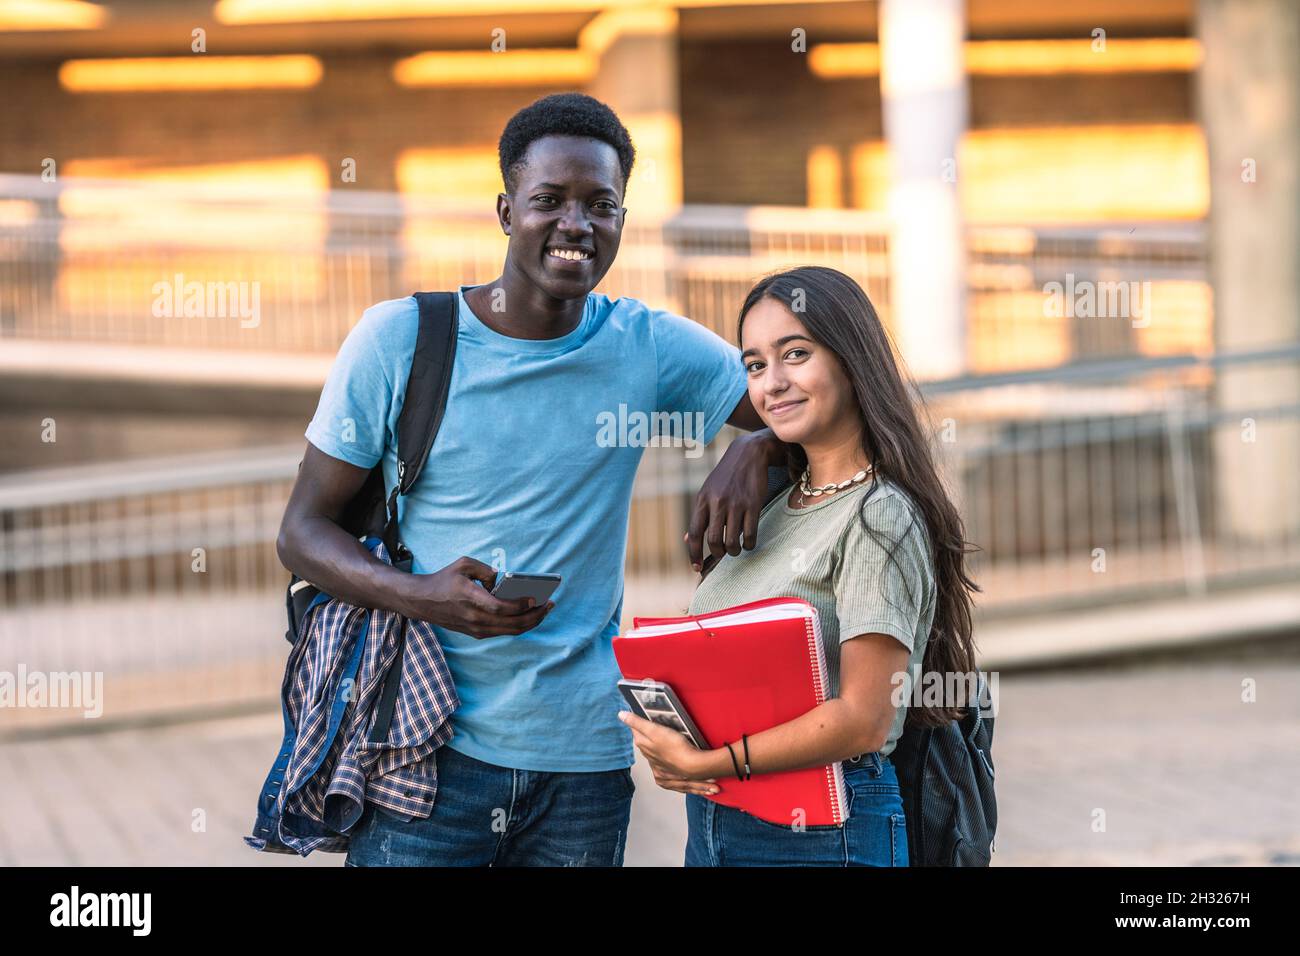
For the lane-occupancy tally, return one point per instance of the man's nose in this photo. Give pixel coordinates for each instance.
(575, 219)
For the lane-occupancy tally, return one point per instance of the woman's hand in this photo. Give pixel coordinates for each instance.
(674, 761)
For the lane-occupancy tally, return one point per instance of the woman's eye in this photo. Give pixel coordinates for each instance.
(793, 352)
(752, 366)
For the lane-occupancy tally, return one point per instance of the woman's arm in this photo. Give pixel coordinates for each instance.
(858, 721)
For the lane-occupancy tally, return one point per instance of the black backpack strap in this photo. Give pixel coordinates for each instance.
(425, 402)
(388, 696)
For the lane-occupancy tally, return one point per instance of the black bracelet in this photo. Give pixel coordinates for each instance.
(745, 738)
(733, 761)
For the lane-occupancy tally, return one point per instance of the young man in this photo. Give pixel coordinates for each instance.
(537, 771)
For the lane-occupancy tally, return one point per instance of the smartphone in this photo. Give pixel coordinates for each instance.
(656, 701)
(512, 585)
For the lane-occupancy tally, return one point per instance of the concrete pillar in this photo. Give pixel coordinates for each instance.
(1249, 101)
(637, 78)
(923, 89)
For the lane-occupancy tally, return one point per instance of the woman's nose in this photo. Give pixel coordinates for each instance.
(775, 383)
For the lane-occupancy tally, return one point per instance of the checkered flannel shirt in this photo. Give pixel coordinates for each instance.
(334, 769)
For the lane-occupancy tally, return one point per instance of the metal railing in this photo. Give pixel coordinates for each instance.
(1104, 481)
(1091, 483)
(151, 263)
(1095, 457)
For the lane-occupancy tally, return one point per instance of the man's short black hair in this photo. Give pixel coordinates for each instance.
(562, 114)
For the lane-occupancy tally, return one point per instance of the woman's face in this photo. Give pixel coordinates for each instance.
(795, 383)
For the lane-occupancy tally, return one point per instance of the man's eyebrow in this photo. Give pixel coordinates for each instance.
(778, 343)
(561, 188)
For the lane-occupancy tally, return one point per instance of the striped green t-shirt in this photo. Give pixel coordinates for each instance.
(822, 554)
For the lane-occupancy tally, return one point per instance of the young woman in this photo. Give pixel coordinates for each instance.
(868, 535)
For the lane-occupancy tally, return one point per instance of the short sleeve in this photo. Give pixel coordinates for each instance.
(699, 372)
(351, 420)
(875, 594)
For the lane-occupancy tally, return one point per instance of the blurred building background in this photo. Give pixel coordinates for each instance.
(1079, 221)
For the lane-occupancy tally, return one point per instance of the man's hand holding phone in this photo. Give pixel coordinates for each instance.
(458, 598)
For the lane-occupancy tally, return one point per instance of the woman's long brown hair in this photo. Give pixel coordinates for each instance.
(838, 314)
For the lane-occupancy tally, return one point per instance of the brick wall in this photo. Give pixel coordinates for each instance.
(751, 111)
(357, 111)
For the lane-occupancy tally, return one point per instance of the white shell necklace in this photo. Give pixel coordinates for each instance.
(805, 491)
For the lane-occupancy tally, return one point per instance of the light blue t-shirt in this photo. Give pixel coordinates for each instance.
(532, 471)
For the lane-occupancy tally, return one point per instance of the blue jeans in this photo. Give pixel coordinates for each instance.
(875, 833)
(485, 815)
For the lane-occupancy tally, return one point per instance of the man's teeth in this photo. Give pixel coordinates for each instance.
(568, 254)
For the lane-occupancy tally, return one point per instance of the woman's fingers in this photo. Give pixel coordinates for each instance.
(672, 781)
(687, 786)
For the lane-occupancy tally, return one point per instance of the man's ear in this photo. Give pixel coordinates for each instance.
(503, 212)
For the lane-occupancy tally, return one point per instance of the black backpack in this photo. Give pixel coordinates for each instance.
(945, 775)
(372, 512)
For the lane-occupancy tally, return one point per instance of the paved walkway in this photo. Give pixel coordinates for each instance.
(1184, 771)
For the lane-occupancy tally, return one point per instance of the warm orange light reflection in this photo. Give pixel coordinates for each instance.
(837, 60)
(1178, 319)
(268, 224)
(303, 11)
(1037, 342)
(1181, 318)
(450, 172)
(98, 218)
(197, 72)
(1065, 174)
(1027, 57)
(16, 213)
(51, 15)
(507, 68)
(1084, 173)
(1038, 57)
(825, 175)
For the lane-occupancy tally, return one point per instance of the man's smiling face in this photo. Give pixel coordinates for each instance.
(565, 216)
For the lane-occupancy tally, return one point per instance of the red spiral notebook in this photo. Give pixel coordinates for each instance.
(743, 670)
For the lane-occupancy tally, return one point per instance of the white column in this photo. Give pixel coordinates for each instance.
(923, 86)
(1249, 98)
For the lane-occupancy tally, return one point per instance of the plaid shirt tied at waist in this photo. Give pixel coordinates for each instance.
(327, 767)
